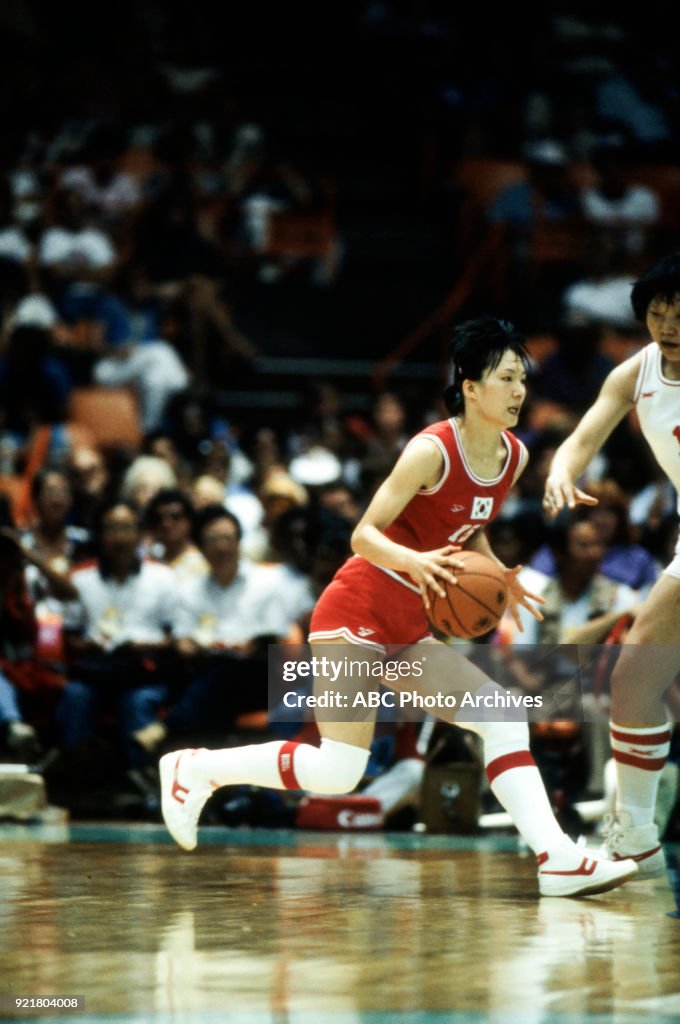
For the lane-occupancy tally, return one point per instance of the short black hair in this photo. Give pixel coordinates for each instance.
(661, 281)
(38, 481)
(210, 514)
(169, 496)
(476, 347)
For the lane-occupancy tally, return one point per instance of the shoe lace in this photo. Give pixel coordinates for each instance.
(612, 831)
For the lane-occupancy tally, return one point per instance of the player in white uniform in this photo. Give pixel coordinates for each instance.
(640, 732)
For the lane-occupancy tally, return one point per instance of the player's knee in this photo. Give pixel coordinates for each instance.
(334, 768)
(499, 724)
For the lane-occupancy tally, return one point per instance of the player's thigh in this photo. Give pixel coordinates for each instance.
(650, 651)
(438, 670)
(351, 719)
(659, 618)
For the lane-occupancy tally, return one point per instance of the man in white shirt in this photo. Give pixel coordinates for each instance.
(226, 619)
(120, 637)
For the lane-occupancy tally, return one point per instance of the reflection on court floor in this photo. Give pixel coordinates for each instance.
(279, 927)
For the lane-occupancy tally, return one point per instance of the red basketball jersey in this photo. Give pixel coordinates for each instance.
(460, 503)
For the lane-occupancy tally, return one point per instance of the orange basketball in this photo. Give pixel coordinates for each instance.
(474, 605)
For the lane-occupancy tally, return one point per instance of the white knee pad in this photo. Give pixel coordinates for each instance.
(332, 768)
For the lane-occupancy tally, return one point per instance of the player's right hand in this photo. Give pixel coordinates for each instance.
(559, 493)
(427, 568)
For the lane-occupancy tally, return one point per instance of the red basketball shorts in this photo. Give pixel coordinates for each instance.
(364, 605)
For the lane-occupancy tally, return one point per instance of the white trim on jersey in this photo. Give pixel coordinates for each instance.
(445, 455)
(659, 370)
(466, 465)
(641, 375)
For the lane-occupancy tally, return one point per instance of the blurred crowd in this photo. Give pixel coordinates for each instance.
(141, 581)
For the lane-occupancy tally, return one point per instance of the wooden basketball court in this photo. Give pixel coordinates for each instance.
(288, 927)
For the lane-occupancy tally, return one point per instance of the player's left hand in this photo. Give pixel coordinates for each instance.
(519, 595)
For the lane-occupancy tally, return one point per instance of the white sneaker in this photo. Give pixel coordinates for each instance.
(182, 796)
(571, 870)
(640, 843)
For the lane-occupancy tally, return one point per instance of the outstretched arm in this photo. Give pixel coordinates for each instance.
(576, 453)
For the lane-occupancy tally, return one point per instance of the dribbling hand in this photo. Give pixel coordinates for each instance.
(427, 568)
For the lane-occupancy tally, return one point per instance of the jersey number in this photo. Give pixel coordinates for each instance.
(463, 533)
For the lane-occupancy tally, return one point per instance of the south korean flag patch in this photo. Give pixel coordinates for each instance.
(482, 508)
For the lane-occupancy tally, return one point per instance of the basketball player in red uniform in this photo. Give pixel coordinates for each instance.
(448, 483)
(648, 382)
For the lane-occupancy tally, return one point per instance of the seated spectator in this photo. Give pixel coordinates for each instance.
(34, 386)
(91, 480)
(51, 534)
(29, 687)
(236, 496)
(601, 295)
(573, 375)
(278, 494)
(170, 518)
(76, 253)
(54, 546)
(538, 218)
(180, 263)
(623, 561)
(144, 477)
(581, 604)
(227, 619)
(615, 202)
(294, 536)
(152, 368)
(119, 638)
(112, 193)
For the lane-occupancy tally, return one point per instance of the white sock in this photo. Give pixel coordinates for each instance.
(517, 784)
(640, 754)
(331, 768)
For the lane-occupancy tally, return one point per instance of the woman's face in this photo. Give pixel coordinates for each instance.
(500, 394)
(54, 500)
(663, 324)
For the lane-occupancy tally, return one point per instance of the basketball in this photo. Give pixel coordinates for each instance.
(474, 605)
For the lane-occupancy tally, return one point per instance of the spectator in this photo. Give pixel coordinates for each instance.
(76, 253)
(119, 638)
(170, 516)
(180, 263)
(18, 631)
(111, 193)
(91, 481)
(581, 605)
(573, 375)
(34, 385)
(615, 202)
(228, 617)
(623, 561)
(278, 494)
(601, 294)
(144, 477)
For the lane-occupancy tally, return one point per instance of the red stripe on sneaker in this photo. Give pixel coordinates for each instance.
(518, 759)
(637, 856)
(649, 739)
(586, 867)
(178, 791)
(648, 764)
(541, 858)
(286, 770)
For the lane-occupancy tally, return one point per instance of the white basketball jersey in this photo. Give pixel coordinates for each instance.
(657, 400)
